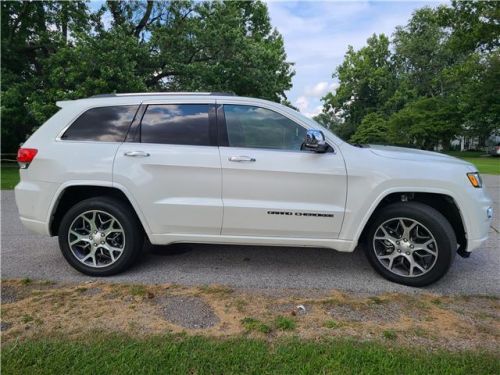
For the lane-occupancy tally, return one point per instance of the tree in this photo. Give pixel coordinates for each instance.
(425, 123)
(31, 31)
(329, 121)
(438, 78)
(61, 50)
(228, 46)
(367, 81)
(373, 129)
(109, 62)
(420, 54)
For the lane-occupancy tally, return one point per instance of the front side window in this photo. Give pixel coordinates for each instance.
(177, 124)
(257, 127)
(104, 124)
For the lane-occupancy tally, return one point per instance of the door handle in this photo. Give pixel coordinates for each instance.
(137, 154)
(241, 158)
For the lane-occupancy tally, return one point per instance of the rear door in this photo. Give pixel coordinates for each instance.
(271, 187)
(170, 164)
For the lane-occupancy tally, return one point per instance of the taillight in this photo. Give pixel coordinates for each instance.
(25, 156)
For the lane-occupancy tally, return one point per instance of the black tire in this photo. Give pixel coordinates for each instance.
(131, 227)
(434, 221)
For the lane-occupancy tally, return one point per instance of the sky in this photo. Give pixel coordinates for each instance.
(317, 33)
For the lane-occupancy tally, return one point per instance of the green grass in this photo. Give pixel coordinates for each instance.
(486, 165)
(198, 355)
(252, 324)
(332, 324)
(284, 324)
(390, 334)
(10, 176)
(483, 162)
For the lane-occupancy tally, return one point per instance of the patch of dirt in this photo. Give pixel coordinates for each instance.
(9, 294)
(429, 321)
(188, 312)
(384, 313)
(91, 291)
(292, 309)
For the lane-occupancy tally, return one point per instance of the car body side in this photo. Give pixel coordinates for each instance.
(366, 177)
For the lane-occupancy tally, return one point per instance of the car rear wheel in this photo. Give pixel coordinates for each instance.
(410, 243)
(100, 236)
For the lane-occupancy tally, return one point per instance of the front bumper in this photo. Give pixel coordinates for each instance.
(480, 219)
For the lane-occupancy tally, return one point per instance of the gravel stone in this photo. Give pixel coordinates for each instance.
(91, 291)
(9, 294)
(189, 312)
(4, 326)
(383, 313)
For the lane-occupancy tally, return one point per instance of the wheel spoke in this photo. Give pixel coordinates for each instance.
(425, 247)
(387, 236)
(79, 238)
(407, 229)
(413, 265)
(91, 256)
(389, 257)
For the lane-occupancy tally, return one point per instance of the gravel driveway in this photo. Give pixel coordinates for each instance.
(25, 254)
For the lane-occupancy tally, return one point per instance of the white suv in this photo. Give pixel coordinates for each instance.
(105, 172)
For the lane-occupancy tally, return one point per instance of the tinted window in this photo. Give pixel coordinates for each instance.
(105, 124)
(257, 127)
(177, 124)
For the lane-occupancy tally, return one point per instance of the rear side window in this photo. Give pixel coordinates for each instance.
(104, 124)
(176, 124)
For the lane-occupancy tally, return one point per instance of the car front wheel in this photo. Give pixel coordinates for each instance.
(100, 236)
(410, 243)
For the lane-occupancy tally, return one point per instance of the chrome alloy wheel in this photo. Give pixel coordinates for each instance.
(96, 238)
(405, 247)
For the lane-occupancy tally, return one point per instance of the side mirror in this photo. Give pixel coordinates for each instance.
(315, 141)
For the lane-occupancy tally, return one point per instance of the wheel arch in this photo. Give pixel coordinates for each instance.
(71, 193)
(443, 202)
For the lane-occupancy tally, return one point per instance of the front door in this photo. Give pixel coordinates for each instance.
(270, 187)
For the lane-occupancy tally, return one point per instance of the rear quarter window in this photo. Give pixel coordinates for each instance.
(102, 124)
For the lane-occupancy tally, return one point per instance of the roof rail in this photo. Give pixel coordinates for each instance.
(164, 93)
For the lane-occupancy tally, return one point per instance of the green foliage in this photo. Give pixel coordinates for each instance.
(367, 80)
(62, 50)
(439, 77)
(425, 123)
(390, 334)
(199, 355)
(252, 324)
(284, 324)
(332, 324)
(373, 129)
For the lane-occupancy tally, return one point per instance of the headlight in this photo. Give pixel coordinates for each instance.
(475, 179)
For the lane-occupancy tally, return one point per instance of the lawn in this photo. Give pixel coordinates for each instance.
(10, 176)
(198, 355)
(484, 163)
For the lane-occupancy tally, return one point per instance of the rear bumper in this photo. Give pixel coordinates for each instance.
(36, 226)
(33, 200)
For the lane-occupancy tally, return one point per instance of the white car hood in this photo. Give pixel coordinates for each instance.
(402, 153)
